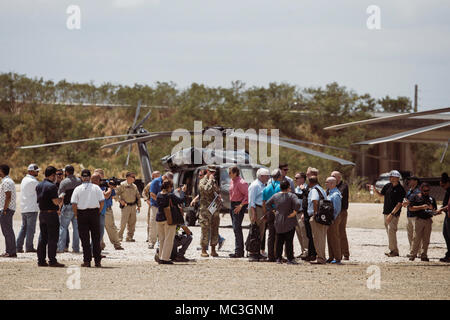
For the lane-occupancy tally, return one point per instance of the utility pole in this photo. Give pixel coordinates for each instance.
(415, 97)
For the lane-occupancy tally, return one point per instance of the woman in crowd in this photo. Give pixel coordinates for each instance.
(286, 207)
(166, 232)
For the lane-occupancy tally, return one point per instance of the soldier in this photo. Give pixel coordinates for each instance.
(208, 189)
(130, 202)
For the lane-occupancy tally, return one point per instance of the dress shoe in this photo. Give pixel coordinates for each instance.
(44, 264)
(235, 255)
(445, 259)
(7, 255)
(98, 265)
(56, 265)
(425, 259)
(165, 262)
(102, 256)
(310, 258)
(19, 250)
(253, 258)
(392, 254)
(271, 260)
(29, 251)
(86, 264)
(181, 259)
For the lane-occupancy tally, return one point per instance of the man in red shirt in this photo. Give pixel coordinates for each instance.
(239, 202)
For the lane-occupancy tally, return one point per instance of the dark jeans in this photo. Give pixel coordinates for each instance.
(182, 241)
(311, 249)
(27, 230)
(237, 227)
(286, 239)
(49, 225)
(6, 222)
(446, 232)
(89, 228)
(271, 236)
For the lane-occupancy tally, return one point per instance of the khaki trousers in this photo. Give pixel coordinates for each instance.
(111, 228)
(301, 233)
(319, 232)
(343, 233)
(333, 240)
(391, 230)
(410, 228)
(422, 235)
(166, 235)
(209, 225)
(152, 230)
(128, 220)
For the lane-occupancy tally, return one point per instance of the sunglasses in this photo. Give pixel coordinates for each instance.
(59, 174)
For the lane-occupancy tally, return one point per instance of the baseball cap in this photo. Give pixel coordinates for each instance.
(33, 167)
(394, 173)
(85, 173)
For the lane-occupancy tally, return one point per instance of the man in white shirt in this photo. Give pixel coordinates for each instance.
(87, 203)
(30, 208)
(255, 202)
(7, 209)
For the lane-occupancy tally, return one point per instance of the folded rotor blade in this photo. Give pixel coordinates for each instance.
(267, 139)
(74, 141)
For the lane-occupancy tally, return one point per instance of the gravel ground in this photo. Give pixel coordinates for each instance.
(133, 274)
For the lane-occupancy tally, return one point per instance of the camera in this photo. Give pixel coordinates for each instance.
(110, 183)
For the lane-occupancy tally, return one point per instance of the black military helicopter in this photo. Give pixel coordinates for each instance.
(188, 173)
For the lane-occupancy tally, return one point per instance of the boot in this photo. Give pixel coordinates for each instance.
(204, 252)
(213, 251)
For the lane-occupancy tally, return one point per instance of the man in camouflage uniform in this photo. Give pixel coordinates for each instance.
(130, 202)
(208, 188)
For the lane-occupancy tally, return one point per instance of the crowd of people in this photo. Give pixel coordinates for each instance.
(279, 207)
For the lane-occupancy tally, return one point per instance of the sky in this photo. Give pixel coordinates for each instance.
(305, 43)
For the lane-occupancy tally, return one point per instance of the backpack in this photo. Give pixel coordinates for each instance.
(325, 214)
(253, 243)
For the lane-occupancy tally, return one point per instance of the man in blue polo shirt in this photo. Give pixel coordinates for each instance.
(273, 186)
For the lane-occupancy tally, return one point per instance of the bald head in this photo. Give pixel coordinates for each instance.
(100, 172)
(95, 179)
(330, 183)
(337, 175)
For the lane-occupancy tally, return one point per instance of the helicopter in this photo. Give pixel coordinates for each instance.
(187, 173)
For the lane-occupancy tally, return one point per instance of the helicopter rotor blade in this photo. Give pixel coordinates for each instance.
(128, 156)
(143, 120)
(330, 147)
(146, 138)
(268, 139)
(75, 141)
(136, 115)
